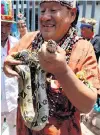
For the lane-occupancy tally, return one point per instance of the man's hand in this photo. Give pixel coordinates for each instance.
(8, 63)
(54, 63)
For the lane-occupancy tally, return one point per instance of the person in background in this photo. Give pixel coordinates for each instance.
(87, 32)
(21, 25)
(72, 69)
(19, 29)
(9, 86)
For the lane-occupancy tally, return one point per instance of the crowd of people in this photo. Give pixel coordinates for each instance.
(74, 67)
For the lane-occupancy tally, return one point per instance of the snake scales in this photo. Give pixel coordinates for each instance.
(33, 99)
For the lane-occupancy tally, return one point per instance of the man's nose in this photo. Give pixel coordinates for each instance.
(46, 15)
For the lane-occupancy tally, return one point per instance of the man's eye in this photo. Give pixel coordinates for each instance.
(42, 11)
(53, 10)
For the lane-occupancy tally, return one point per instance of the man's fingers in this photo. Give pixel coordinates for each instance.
(10, 72)
(9, 63)
(61, 50)
(12, 62)
(43, 52)
(44, 62)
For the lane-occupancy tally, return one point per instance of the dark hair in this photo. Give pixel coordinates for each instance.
(74, 23)
(76, 19)
(77, 15)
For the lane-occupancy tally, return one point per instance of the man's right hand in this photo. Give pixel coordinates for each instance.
(8, 63)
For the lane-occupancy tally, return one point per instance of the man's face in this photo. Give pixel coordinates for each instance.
(86, 32)
(5, 30)
(55, 20)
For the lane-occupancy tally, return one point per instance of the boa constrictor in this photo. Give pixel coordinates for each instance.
(33, 99)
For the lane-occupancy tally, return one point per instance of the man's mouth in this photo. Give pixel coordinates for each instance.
(50, 25)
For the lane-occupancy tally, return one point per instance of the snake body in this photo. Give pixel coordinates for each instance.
(33, 101)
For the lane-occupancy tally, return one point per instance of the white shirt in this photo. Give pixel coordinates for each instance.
(9, 86)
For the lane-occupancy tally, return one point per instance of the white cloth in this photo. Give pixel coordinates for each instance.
(9, 86)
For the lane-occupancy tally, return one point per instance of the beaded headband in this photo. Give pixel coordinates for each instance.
(89, 23)
(67, 3)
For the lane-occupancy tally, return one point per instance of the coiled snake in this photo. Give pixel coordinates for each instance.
(33, 100)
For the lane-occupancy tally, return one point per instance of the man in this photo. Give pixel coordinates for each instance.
(73, 55)
(87, 32)
(9, 86)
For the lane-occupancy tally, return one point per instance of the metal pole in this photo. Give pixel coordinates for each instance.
(84, 8)
(93, 9)
(33, 16)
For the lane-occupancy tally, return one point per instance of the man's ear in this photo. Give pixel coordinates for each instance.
(73, 13)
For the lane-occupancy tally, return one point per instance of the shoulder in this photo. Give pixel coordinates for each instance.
(96, 39)
(83, 46)
(13, 39)
(25, 41)
(85, 52)
(81, 50)
(30, 35)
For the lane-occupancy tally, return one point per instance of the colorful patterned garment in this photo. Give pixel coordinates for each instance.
(64, 118)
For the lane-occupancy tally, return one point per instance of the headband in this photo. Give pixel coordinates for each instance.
(67, 3)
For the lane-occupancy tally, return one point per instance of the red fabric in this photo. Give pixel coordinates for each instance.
(54, 127)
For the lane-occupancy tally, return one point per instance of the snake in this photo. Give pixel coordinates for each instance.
(32, 86)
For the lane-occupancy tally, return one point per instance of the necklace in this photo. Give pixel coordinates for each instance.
(67, 43)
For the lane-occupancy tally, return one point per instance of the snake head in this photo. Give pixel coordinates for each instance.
(51, 46)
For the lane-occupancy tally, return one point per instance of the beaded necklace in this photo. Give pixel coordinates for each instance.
(67, 43)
